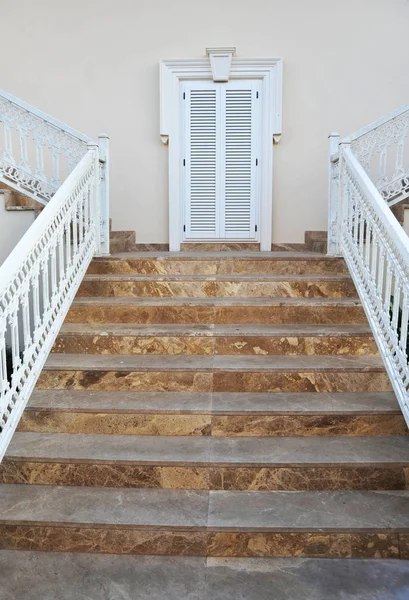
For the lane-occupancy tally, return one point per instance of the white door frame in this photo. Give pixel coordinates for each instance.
(172, 73)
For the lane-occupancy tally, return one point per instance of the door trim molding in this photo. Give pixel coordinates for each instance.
(172, 73)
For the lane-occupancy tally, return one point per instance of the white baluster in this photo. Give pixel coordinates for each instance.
(81, 220)
(400, 155)
(15, 345)
(25, 307)
(68, 226)
(4, 384)
(368, 241)
(61, 261)
(35, 286)
(396, 302)
(381, 271)
(53, 272)
(23, 162)
(8, 145)
(39, 171)
(46, 284)
(388, 286)
(383, 157)
(74, 231)
(374, 261)
(55, 167)
(404, 325)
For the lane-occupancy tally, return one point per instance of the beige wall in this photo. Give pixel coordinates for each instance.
(13, 226)
(94, 65)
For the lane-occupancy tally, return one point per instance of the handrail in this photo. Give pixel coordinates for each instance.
(42, 115)
(376, 124)
(40, 277)
(363, 229)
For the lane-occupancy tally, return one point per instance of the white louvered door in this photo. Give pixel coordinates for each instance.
(221, 133)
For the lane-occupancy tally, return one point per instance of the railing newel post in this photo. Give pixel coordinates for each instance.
(95, 207)
(333, 196)
(103, 141)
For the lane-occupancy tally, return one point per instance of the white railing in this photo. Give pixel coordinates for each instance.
(363, 229)
(37, 152)
(380, 149)
(39, 279)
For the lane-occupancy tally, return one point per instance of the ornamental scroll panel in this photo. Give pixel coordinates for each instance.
(36, 154)
(384, 154)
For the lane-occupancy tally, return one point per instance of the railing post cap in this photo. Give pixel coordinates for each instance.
(334, 134)
(103, 136)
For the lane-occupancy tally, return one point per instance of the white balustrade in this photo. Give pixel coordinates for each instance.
(35, 149)
(382, 150)
(363, 229)
(39, 279)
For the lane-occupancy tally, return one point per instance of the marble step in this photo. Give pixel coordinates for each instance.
(218, 414)
(112, 338)
(218, 286)
(217, 310)
(216, 463)
(190, 373)
(77, 575)
(337, 524)
(212, 263)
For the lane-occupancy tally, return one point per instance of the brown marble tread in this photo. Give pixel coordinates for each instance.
(229, 301)
(234, 277)
(256, 364)
(218, 330)
(210, 451)
(221, 403)
(184, 510)
(99, 309)
(131, 338)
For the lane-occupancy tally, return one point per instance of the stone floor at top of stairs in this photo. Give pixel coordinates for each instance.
(80, 576)
(210, 451)
(323, 511)
(230, 403)
(279, 255)
(123, 362)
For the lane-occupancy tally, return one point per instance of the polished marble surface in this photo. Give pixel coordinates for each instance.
(112, 507)
(192, 450)
(79, 576)
(227, 403)
(228, 339)
(309, 511)
(213, 363)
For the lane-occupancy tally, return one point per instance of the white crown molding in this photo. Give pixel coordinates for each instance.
(172, 73)
(174, 70)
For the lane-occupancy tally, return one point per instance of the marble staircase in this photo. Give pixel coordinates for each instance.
(211, 405)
